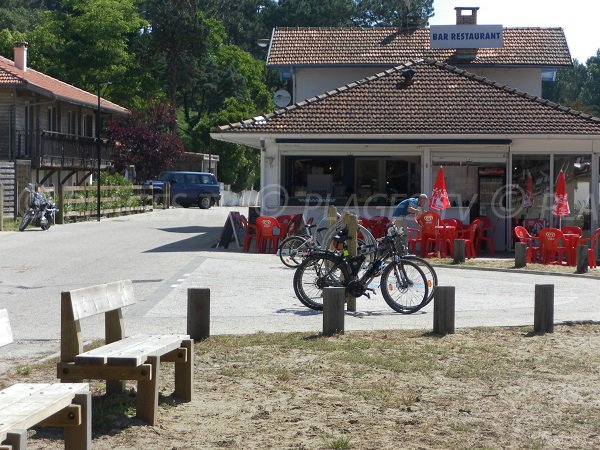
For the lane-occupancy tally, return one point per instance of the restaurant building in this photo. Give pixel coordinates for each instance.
(374, 113)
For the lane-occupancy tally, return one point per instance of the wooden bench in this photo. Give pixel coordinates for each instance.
(122, 358)
(25, 405)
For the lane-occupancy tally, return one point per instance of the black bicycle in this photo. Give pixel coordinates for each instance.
(403, 284)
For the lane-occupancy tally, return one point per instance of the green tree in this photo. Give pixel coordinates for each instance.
(232, 88)
(180, 35)
(393, 13)
(243, 21)
(86, 42)
(309, 13)
(590, 92)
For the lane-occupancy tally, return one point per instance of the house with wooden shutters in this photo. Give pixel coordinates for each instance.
(48, 129)
(374, 113)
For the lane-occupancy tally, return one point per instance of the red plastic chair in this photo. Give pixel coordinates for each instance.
(284, 220)
(446, 237)
(550, 246)
(468, 234)
(428, 221)
(379, 226)
(593, 240)
(249, 233)
(571, 229)
(533, 250)
(486, 232)
(413, 237)
(268, 232)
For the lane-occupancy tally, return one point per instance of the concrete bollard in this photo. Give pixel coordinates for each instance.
(520, 254)
(582, 259)
(543, 316)
(198, 313)
(459, 251)
(333, 310)
(443, 310)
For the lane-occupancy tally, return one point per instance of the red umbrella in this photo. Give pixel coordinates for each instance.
(561, 202)
(528, 194)
(439, 197)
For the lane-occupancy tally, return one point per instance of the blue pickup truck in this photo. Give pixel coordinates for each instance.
(189, 188)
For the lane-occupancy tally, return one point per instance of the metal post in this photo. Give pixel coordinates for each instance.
(98, 152)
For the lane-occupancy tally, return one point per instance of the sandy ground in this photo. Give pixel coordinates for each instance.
(479, 388)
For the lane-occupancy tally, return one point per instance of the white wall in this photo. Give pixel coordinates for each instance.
(524, 79)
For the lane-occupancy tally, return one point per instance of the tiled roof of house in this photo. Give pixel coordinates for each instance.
(51, 87)
(440, 99)
(388, 46)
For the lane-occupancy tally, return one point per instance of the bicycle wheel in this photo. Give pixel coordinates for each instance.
(430, 274)
(293, 250)
(404, 286)
(317, 272)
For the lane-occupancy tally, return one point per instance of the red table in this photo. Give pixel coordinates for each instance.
(445, 235)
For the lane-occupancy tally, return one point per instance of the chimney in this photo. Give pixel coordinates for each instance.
(466, 19)
(466, 54)
(21, 56)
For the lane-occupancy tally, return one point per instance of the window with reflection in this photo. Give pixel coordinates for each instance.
(577, 170)
(364, 181)
(531, 198)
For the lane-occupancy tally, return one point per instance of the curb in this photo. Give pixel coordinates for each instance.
(515, 270)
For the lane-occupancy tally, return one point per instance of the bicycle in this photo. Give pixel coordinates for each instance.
(294, 249)
(403, 285)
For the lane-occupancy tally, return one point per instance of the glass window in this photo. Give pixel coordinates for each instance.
(317, 176)
(51, 119)
(531, 198)
(402, 178)
(577, 170)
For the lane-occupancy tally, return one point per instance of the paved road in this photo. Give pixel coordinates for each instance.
(167, 252)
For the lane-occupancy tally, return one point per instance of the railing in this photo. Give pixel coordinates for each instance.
(51, 148)
(80, 202)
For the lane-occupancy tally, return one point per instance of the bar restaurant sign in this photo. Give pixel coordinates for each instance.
(465, 36)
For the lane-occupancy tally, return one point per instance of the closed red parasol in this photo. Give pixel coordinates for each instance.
(561, 202)
(439, 198)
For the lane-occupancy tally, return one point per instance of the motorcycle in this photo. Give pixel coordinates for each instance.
(41, 211)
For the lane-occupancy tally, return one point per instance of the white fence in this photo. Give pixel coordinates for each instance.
(244, 198)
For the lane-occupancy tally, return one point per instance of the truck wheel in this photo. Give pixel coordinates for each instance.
(205, 202)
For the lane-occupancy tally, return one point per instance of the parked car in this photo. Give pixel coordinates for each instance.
(189, 188)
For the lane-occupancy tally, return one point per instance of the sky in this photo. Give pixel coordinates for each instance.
(578, 18)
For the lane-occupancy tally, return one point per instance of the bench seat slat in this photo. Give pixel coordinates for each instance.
(131, 351)
(24, 405)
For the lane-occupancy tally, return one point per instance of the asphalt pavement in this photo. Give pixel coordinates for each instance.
(165, 252)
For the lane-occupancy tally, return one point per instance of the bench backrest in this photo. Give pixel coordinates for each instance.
(6, 336)
(89, 301)
(86, 302)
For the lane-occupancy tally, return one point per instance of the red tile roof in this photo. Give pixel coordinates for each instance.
(51, 87)
(387, 46)
(440, 100)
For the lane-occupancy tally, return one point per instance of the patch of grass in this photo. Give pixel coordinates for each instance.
(111, 411)
(11, 224)
(23, 370)
(340, 443)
